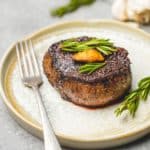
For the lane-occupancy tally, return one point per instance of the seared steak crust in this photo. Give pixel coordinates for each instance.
(100, 88)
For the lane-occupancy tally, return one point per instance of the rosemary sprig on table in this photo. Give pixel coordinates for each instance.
(103, 45)
(70, 7)
(90, 67)
(133, 99)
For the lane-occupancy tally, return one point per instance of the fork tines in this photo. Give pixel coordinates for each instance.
(28, 64)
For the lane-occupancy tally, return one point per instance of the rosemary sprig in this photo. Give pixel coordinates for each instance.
(90, 67)
(70, 7)
(107, 50)
(133, 99)
(103, 45)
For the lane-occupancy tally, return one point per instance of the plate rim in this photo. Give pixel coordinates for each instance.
(37, 33)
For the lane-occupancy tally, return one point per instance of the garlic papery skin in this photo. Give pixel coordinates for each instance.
(119, 10)
(136, 10)
(139, 10)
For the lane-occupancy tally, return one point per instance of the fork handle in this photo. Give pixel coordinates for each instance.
(50, 140)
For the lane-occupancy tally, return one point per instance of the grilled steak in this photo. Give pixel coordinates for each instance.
(102, 87)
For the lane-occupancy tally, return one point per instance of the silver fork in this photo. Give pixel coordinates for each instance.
(31, 77)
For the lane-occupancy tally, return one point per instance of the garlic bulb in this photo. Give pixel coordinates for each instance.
(137, 10)
(119, 9)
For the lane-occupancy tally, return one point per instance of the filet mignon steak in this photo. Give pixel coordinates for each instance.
(104, 86)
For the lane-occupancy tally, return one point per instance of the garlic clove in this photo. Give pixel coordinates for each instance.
(90, 55)
(139, 10)
(119, 10)
(136, 10)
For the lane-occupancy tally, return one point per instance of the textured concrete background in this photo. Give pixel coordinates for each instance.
(21, 17)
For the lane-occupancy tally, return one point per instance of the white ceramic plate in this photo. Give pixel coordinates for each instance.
(76, 126)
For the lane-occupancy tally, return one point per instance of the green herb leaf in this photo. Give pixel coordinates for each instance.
(103, 45)
(90, 67)
(70, 7)
(132, 100)
(107, 50)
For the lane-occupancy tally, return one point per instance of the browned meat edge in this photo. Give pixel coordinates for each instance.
(95, 94)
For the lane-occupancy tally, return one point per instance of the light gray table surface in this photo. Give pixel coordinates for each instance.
(21, 17)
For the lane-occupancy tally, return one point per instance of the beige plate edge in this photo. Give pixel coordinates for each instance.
(68, 141)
